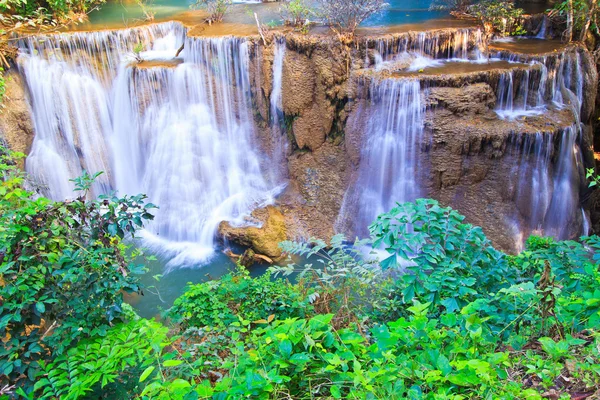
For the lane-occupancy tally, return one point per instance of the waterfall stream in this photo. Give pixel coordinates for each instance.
(277, 121)
(390, 155)
(544, 178)
(182, 133)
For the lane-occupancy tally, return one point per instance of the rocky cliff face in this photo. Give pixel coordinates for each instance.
(498, 141)
(16, 127)
(474, 160)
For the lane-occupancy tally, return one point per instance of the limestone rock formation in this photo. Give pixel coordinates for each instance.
(264, 240)
(16, 126)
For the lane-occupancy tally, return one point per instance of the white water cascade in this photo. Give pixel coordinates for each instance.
(547, 193)
(533, 181)
(276, 103)
(390, 154)
(543, 28)
(428, 49)
(182, 132)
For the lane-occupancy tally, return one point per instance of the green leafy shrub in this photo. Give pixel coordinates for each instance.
(215, 8)
(335, 276)
(2, 85)
(95, 363)
(63, 270)
(445, 259)
(459, 320)
(237, 296)
(295, 12)
(499, 16)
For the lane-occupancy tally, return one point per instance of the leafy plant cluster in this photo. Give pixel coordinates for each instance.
(2, 85)
(578, 16)
(215, 8)
(425, 309)
(296, 13)
(499, 16)
(443, 316)
(238, 296)
(63, 270)
(33, 13)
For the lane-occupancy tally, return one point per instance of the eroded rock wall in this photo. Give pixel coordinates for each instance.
(16, 126)
(473, 159)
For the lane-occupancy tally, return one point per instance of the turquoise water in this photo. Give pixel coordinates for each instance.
(128, 13)
(399, 12)
(402, 12)
(160, 293)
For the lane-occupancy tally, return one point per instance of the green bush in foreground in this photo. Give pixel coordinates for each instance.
(449, 327)
(237, 296)
(63, 270)
(443, 316)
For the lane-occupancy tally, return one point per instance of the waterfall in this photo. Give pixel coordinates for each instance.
(514, 99)
(534, 181)
(427, 49)
(542, 32)
(390, 154)
(276, 104)
(547, 193)
(182, 133)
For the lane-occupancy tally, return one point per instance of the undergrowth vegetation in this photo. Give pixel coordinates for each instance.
(434, 312)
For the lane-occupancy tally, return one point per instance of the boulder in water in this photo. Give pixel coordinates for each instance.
(264, 240)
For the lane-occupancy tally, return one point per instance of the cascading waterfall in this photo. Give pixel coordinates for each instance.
(69, 76)
(550, 189)
(390, 157)
(542, 32)
(276, 102)
(533, 180)
(545, 186)
(426, 49)
(182, 134)
(514, 100)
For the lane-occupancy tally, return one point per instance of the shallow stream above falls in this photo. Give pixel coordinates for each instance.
(127, 13)
(232, 125)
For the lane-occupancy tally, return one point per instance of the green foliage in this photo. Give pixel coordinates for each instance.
(101, 360)
(63, 269)
(499, 16)
(296, 12)
(579, 15)
(446, 259)
(237, 296)
(593, 178)
(215, 8)
(339, 279)
(2, 85)
(50, 12)
(444, 316)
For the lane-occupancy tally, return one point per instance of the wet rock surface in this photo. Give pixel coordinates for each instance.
(469, 152)
(263, 240)
(16, 126)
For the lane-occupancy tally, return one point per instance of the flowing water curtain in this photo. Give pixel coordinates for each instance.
(435, 47)
(202, 163)
(69, 77)
(547, 192)
(183, 134)
(389, 165)
(277, 120)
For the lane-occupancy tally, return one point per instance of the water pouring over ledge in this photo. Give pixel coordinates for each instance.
(182, 135)
(153, 82)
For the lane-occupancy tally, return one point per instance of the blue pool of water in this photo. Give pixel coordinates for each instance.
(128, 12)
